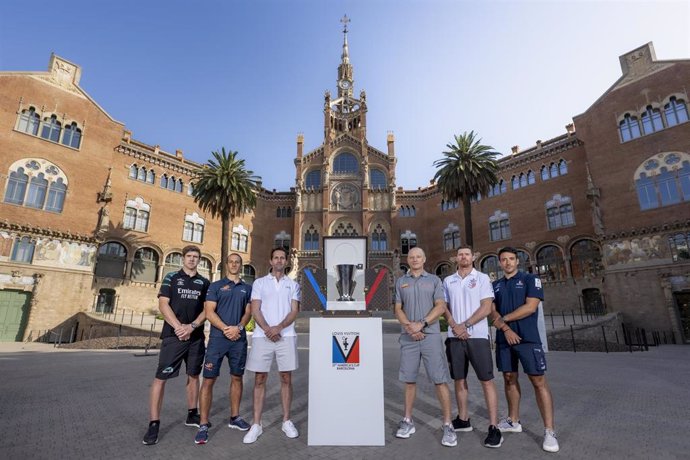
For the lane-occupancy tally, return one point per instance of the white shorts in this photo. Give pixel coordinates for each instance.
(262, 351)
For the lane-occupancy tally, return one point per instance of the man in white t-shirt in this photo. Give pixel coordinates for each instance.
(275, 304)
(469, 294)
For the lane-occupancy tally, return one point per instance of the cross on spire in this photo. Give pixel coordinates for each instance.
(345, 20)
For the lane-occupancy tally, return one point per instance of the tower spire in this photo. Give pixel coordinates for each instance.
(345, 57)
(345, 71)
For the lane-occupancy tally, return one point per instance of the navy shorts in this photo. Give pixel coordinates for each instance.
(530, 355)
(220, 347)
(174, 351)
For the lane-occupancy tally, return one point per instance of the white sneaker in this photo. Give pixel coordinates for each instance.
(550, 442)
(253, 434)
(507, 425)
(289, 429)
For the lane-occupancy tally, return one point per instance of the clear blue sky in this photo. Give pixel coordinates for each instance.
(250, 75)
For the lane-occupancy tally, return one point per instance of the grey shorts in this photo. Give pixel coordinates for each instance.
(430, 352)
(461, 353)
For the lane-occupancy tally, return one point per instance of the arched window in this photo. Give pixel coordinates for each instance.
(72, 136)
(16, 187)
(379, 239)
(150, 176)
(515, 182)
(676, 111)
(34, 181)
(408, 240)
(629, 128)
(680, 246)
(145, 266)
(523, 180)
(311, 239)
(23, 250)
(451, 237)
(56, 196)
(133, 172)
(289, 211)
(51, 129)
(111, 260)
(499, 226)
(550, 266)
(491, 267)
(377, 179)
(141, 175)
(651, 120)
(407, 211)
(646, 192)
(559, 212)
(171, 183)
(553, 170)
(313, 179)
(248, 274)
(504, 186)
(29, 121)
(173, 262)
(345, 163)
(282, 240)
(668, 189)
(178, 186)
(684, 179)
(562, 168)
(585, 259)
(136, 215)
(544, 173)
(38, 189)
(443, 270)
(530, 177)
(523, 258)
(204, 268)
(194, 226)
(164, 181)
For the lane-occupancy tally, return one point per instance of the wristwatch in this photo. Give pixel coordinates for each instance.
(467, 325)
(240, 327)
(503, 318)
(425, 324)
(194, 325)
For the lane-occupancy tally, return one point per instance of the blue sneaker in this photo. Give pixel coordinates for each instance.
(238, 424)
(201, 435)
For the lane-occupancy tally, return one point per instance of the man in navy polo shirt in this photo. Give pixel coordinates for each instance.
(181, 302)
(515, 316)
(228, 309)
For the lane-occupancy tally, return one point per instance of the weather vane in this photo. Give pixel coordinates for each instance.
(345, 20)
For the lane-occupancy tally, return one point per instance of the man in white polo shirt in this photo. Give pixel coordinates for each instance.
(469, 295)
(275, 304)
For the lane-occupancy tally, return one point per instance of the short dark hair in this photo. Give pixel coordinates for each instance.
(227, 259)
(465, 246)
(510, 249)
(279, 249)
(191, 248)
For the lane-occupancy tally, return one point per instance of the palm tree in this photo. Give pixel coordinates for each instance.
(227, 189)
(466, 169)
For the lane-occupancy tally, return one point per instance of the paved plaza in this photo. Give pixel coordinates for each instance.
(93, 404)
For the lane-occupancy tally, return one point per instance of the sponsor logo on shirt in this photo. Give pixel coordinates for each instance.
(404, 285)
(225, 288)
(537, 283)
(520, 284)
(472, 283)
(198, 281)
(180, 282)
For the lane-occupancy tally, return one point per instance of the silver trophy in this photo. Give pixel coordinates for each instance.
(346, 281)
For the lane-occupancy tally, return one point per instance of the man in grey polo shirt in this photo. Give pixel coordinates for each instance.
(419, 302)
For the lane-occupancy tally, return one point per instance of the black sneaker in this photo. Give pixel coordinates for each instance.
(494, 439)
(151, 436)
(193, 420)
(461, 425)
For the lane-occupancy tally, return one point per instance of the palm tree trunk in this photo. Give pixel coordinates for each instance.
(225, 232)
(467, 211)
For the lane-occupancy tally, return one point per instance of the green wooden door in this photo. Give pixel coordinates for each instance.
(14, 312)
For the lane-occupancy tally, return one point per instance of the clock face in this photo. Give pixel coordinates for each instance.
(344, 84)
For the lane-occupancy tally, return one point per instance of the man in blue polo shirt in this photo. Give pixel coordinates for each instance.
(228, 310)
(181, 302)
(515, 316)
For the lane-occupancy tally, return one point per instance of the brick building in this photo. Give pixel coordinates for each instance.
(91, 219)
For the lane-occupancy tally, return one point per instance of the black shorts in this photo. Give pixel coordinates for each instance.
(531, 355)
(461, 353)
(174, 351)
